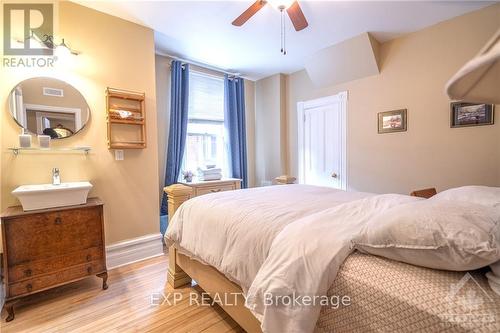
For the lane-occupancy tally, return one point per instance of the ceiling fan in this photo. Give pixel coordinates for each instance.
(292, 8)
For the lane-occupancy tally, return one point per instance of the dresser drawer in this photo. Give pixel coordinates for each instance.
(42, 236)
(213, 189)
(32, 269)
(50, 280)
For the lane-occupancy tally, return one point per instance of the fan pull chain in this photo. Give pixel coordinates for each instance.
(281, 30)
(284, 32)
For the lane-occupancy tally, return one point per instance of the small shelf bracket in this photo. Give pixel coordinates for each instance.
(17, 150)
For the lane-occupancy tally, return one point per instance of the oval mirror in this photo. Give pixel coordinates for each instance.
(49, 106)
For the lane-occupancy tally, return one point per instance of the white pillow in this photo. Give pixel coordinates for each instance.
(482, 195)
(488, 196)
(494, 277)
(440, 234)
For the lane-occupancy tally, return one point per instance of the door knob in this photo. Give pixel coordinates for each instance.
(334, 175)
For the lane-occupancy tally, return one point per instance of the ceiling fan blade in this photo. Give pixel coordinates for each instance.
(297, 16)
(247, 14)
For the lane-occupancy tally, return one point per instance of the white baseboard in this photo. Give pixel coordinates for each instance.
(132, 250)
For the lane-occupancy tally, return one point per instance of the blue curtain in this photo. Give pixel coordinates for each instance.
(179, 90)
(234, 118)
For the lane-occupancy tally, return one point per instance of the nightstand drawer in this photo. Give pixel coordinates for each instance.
(214, 189)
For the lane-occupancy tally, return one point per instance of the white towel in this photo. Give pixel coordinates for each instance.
(215, 176)
(209, 171)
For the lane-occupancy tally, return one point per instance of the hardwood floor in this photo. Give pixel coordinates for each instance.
(125, 307)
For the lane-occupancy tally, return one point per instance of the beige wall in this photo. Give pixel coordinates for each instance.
(250, 131)
(118, 54)
(270, 133)
(414, 70)
(163, 105)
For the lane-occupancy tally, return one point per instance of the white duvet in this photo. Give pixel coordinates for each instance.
(278, 241)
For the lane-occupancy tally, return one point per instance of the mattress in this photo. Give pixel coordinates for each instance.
(296, 240)
(390, 296)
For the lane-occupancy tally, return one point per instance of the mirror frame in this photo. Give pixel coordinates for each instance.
(52, 78)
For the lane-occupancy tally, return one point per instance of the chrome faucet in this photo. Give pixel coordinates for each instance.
(56, 179)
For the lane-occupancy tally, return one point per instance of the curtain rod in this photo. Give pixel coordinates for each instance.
(199, 64)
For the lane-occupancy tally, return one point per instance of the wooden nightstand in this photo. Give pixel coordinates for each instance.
(212, 186)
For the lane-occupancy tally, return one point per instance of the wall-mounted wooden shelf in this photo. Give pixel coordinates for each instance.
(126, 119)
(129, 145)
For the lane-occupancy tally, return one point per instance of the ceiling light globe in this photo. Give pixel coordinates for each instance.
(62, 51)
(281, 4)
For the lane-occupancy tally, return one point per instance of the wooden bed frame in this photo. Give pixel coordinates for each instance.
(182, 269)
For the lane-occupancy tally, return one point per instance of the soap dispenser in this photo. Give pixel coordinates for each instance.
(24, 139)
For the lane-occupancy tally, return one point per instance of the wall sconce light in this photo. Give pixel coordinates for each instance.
(61, 49)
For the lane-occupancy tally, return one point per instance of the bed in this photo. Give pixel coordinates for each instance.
(390, 296)
(384, 295)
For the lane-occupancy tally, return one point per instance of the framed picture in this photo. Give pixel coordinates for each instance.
(392, 121)
(471, 114)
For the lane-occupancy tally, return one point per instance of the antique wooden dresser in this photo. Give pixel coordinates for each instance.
(46, 248)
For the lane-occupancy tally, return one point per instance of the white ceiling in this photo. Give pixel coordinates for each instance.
(201, 31)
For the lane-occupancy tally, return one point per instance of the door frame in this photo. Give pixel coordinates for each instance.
(341, 99)
(39, 108)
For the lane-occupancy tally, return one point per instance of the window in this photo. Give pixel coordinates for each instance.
(205, 131)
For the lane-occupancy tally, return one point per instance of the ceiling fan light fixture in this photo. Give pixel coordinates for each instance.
(286, 7)
(281, 4)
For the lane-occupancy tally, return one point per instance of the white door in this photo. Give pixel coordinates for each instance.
(322, 141)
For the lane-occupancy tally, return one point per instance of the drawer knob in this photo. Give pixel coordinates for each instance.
(29, 287)
(215, 190)
(27, 272)
(89, 270)
(89, 257)
(58, 220)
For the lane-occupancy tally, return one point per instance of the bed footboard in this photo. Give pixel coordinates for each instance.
(176, 195)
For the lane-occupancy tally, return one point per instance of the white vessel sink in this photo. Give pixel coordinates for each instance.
(48, 196)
